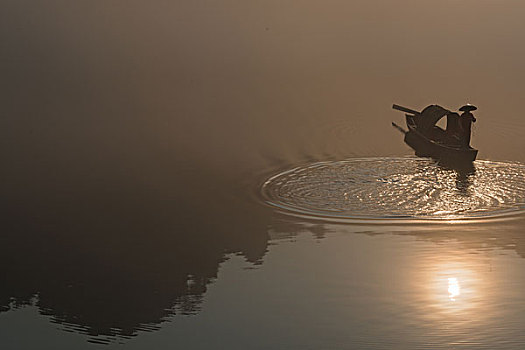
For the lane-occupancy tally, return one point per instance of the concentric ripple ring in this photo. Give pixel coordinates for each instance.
(398, 188)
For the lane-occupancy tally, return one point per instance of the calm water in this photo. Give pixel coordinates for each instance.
(225, 175)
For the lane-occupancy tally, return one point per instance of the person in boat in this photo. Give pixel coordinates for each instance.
(465, 123)
(453, 128)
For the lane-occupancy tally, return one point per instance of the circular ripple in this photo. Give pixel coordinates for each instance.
(396, 188)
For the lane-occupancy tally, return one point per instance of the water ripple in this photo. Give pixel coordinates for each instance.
(398, 188)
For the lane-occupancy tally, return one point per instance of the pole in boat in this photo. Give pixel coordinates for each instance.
(404, 109)
(399, 128)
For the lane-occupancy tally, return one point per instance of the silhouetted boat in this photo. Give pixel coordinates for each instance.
(429, 140)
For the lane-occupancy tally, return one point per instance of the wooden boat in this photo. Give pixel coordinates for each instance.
(429, 140)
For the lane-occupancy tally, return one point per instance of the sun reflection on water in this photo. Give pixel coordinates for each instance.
(454, 289)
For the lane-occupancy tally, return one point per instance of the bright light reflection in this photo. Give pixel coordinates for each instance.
(454, 285)
(453, 288)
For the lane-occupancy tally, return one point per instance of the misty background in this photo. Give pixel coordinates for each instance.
(135, 135)
(134, 90)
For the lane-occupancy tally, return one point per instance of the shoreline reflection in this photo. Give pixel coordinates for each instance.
(114, 259)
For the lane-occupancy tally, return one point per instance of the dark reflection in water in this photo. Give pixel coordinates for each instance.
(110, 260)
(464, 178)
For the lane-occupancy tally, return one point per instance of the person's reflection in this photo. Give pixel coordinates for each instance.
(464, 177)
(463, 173)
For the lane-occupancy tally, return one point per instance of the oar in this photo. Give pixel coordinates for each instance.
(404, 109)
(399, 128)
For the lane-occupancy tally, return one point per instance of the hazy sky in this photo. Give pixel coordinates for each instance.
(231, 83)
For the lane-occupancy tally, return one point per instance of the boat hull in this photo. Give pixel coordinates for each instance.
(425, 147)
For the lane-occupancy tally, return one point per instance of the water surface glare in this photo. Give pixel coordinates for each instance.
(398, 188)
